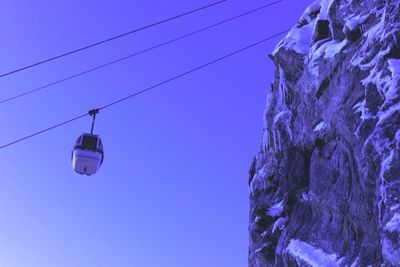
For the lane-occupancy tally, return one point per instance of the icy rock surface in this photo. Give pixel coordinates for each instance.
(325, 186)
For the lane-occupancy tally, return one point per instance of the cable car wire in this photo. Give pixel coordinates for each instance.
(110, 39)
(40, 88)
(45, 130)
(148, 88)
(190, 71)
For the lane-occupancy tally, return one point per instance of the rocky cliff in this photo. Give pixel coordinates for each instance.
(325, 186)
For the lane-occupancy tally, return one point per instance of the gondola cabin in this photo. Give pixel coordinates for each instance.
(88, 154)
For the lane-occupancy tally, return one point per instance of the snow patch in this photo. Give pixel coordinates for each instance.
(279, 224)
(261, 248)
(354, 22)
(264, 234)
(312, 255)
(394, 224)
(298, 39)
(325, 6)
(276, 210)
(361, 107)
(281, 116)
(327, 49)
(395, 207)
(309, 196)
(334, 47)
(394, 67)
(356, 262)
(320, 126)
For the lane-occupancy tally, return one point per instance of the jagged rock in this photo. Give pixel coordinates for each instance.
(325, 186)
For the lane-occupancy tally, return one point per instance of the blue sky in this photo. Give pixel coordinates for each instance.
(172, 191)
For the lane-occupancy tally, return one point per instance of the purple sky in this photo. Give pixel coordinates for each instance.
(172, 191)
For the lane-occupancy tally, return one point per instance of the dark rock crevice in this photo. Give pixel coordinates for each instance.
(322, 30)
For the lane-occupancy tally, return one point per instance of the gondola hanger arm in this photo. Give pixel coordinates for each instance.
(93, 113)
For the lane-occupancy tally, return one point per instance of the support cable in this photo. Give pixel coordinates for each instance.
(110, 39)
(40, 88)
(147, 89)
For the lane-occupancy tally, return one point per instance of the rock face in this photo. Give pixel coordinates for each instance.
(325, 186)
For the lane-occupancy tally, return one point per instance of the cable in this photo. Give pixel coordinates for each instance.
(136, 54)
(192, 70)
(148, 89)
(111, 39)
(45, 130)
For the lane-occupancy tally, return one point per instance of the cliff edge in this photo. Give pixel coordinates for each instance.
(325, 186)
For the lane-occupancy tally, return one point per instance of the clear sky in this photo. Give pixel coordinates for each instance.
(172, 191)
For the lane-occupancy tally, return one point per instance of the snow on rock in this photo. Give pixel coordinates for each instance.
(395, 207)
(311, 255)
(394, 67)
(276, 210)
(325, 6)
(394, 223)
(354, 23)
(356, 262)
(309, 13)
(282, 116)
(327, 50)
(298, 39)
(334, 47)
(261, 248)
(279, 224)
(320, 126)
(362, 109)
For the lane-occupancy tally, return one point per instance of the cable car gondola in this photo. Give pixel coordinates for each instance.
(88, 153)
